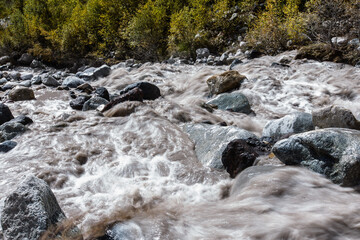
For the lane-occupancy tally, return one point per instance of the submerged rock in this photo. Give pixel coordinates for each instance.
(290, 124)
(234, 102)
(21, 94)
(94, 103)
(149, 90)
(7, 146)
(5, 113)
(30, 210)
(9, 130)
(335, 116)
(225, 82)
(211, 140)
(333, 152)
(24, 120)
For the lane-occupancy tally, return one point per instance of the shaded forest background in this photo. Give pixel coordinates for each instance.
(156, 29)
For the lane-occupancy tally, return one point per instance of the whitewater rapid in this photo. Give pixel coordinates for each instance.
(142, 175)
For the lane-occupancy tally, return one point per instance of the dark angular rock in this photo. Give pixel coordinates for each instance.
(50, 81)
(36, 64)
(7, 146)
(135, 94)
(4, 60)
(24, 120)
(233, 102)
(5, 114)
(102, 71)
(78, 103)
(25, 59)
(36, 80)
(103, 93)
(94, 103)
(150, 91)
(30, 210)
(9, 130)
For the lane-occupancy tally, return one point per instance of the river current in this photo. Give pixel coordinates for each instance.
(142, 176)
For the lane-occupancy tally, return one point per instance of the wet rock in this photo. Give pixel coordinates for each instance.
(211, 140)
(21, 94)
(4, 60)
(225, 82)
(149, 90)
(5, 114)
(234, 102)
(234, 63)
(279, 65)
(237, 156)
(290, 124)
(36, 64)
(245, 176)
(24, 120)
(335, 116)
(3, 81)
(26, 76)
(78, 103)
(15, 76)
(26, 83)
(7, 146)
(102, 71)
(25, 59)
(8, 86)
(81, 158)
(103, 93)
(202, 53)
(30, 210)
(72, 82)
(94, 103)
(134, 94)
(36, 80)
(9, 130)
(251, 54)
(333, 152)
(50, 81)
(122, 109)
(242, 153)
(87, 88)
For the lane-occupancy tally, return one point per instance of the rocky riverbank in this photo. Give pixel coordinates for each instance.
(122, 146)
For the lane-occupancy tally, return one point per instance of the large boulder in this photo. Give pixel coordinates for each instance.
(333, 152)
(225, 82)
(288, 125)
(234, 102)
(25, 59)
(21, 94)
(5, 113)
(102, 71)
(94, 73)
(72, 82)
(9, 130)
(149, 90)
(102, 92)
(30, 210)
(94, 103)
(211, 140)
(335, 116)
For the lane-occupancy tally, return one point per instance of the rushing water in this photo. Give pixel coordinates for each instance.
(142, 173)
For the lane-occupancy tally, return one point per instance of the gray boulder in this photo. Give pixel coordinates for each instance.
(102, 71)
(26, 76)
(72, 82)
(3, 81)
(50, 81)
(36, 80)
(333, 152)
(335, 116)
(26, 83)
(225, 82)
(9, 130)
(290, 124)
(94, 103)
(30, 210)
(7, 146)
(211, 140)
(234, 102)
(5, 114)
(21, 94)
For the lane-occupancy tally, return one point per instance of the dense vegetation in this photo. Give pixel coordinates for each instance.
(155, 29)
